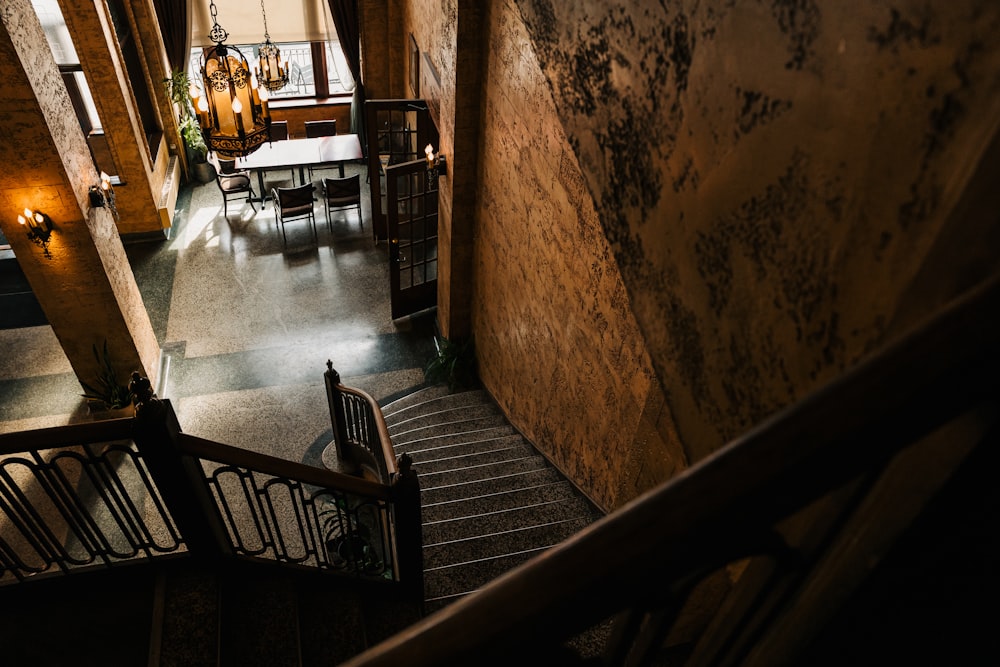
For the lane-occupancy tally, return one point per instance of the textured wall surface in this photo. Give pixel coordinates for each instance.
(45, 165)
(771, 177)
(558, 345)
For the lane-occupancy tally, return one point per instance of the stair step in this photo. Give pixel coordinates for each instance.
(252, 637)
(444, 416)
(448, 439)
(470, 576)
(497, 451)
(439, 458)
(483, 472)
(432, 404)
(494, 485)
(500, 544)
(332, 626)
(448, 428)
(190, 629)
(484, 524)
(415, 398)
(497, 501)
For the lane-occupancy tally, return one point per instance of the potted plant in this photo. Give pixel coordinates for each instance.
(108, 395)
(178, 88)
(453, 363)
(347, 539)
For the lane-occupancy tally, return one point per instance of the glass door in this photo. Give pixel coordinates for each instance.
(412, 225)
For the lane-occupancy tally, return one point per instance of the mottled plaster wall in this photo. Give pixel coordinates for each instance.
(557, 343)
(771, 177)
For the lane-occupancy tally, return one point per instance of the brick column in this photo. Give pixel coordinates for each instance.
(86, 289)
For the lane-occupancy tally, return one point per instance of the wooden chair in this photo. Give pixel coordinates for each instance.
(279, 130)
(293, 204)
(321, 128)
(342, 194)
(233, 183)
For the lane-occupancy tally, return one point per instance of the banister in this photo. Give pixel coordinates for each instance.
(388, 454)
(724, 507)
(55, 436)
(220, 453)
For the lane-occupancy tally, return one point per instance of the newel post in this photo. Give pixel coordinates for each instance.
(338, 419)
(177, 477)
(409, 527)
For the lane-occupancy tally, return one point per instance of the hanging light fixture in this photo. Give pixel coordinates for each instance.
(271, 72)
(232, 111)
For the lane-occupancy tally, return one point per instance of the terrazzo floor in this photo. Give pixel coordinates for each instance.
(245, 325)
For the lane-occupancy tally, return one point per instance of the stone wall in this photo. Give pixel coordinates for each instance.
(780, 182)
(557, 343)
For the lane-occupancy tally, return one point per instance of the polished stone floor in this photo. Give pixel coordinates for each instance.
(246, 325)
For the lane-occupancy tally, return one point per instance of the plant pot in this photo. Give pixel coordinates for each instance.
(203, 172)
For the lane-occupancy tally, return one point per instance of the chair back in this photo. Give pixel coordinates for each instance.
(342, 191)
(321, 128)
(227, 166)
(294, 202)
(279, 130)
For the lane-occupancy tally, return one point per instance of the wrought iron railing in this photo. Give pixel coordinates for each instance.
(131, 490)
(78, 497)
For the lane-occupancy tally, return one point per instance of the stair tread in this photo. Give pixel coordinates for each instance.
(492, 522)
(418, 443)
(430, 404)
(500, 544)
(470, 576)
(448, 428)
(444, 416)
(435, 461)
(415, 398)
(481, 472)
(499, 484)
(251, 638)
(491, 502)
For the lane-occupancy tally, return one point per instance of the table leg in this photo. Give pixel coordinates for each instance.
(260, 181)
(340, 165)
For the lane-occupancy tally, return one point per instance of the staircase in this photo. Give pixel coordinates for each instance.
(489, 503)
(489, 500)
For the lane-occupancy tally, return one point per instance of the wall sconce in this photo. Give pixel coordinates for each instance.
(103, 195)
(39, 228)
(436, 165)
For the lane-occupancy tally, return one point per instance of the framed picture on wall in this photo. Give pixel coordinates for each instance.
(414, 67)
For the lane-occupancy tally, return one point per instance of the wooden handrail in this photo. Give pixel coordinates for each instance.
(61, 436)
(388, 453)
(272, 465)
(724, 507)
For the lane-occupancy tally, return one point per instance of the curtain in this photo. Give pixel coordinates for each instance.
(345, 21)
(175, 28)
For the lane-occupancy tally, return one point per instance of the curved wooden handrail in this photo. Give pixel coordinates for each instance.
(388, 453)
(229, 455)
(721, 509)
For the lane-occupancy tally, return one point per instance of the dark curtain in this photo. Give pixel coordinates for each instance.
(345, 20)
(173, 18)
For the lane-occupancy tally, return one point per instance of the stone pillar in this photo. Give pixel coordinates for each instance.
(460, 145)
(86, 288)
(131, 149)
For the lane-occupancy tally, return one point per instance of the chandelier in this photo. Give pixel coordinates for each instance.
(271, 72)
(232, 112)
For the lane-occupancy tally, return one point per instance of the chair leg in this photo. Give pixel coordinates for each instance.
(250, 199)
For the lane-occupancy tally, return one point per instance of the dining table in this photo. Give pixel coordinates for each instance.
(311, 152)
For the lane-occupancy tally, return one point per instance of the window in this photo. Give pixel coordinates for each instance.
(316, 69)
